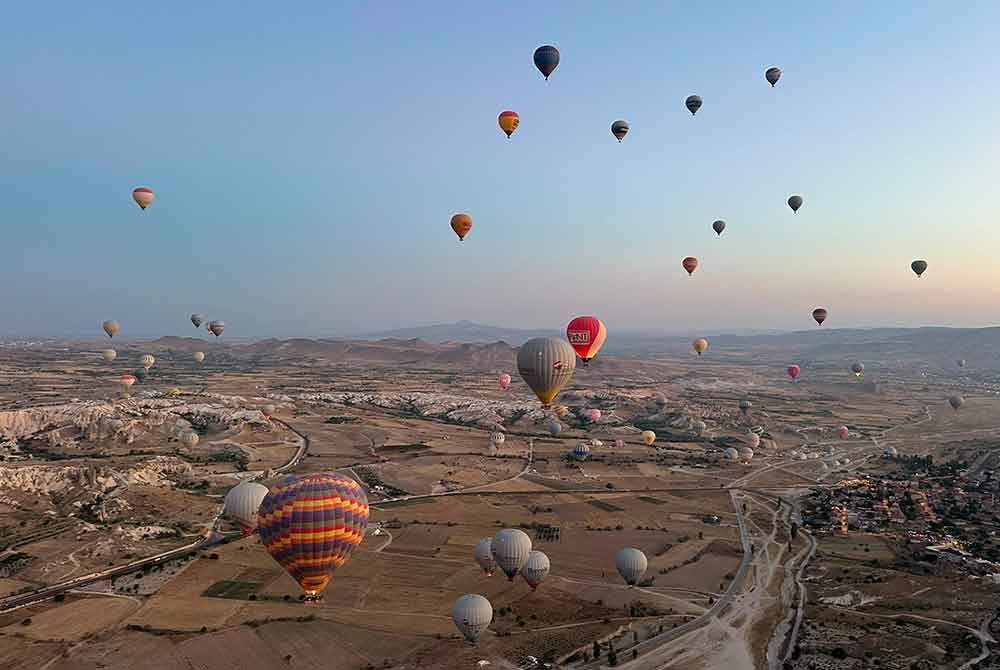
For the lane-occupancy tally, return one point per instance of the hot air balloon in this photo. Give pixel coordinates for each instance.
(890, 452)
(719, 226)
(497, 439)
(631, 564)
(484, 556)
(700, 345)
(586, 334)
(858, 369)
(956, 401)
(918, 267)
(199, 356)
(693, 103)
(699, 427)
(143, 196)
(242, 503)
(508, 121)
(472, 615)
(216, 327)
(196, 319)
(596, 444)
(535, 569)
(110, 327)
(554, 428)
(961, 362)
(745, 406)
(504, 381)
(794, 371)
(754, 440)
(772, 74)
(190, 439)
(546, 364)
(619, 129)
(147, 361)
(127, 380)
(109, 355)
(731, 454)
(592, 415)
(141, 374)
(546, 59)
(843, 432)
(268, 410)
(311, 523)
(461, 224)
(745, 454)
(619, 444)
(820, 315)
(648, 437)
(581, 452)
(510, 548)
(795, 202)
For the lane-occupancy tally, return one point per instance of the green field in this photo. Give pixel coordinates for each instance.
(230, 589)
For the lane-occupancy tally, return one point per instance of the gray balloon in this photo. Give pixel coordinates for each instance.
(196, 319)
(472, 615)
(719, 226)
(483, 553)
(956, 401)
(190, 439)
(693, 103)
(546, 364)
(241, 504)
(918, 267)
(510, 548)
(745, 405)
(773, 74)
(631, 564)
(795, 202)
(619, 129)
(535, 569)
(554, 428)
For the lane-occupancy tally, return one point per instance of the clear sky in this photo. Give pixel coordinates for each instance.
(307, 158)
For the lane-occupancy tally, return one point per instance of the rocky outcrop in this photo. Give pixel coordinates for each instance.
(66, 480)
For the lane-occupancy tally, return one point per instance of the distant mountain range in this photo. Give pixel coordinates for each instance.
(461, 331)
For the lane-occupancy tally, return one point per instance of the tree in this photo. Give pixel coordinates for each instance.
(612, 657)
(597, 649)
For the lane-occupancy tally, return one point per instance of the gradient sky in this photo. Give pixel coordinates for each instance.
(307, 159)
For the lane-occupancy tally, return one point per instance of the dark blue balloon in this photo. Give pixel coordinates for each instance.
(546, 59)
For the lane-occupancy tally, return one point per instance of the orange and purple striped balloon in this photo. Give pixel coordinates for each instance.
(310, 524)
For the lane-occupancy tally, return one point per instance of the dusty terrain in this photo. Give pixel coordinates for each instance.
(92, 479)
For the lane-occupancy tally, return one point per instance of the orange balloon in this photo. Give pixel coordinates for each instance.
(461, 224)
(508, 122)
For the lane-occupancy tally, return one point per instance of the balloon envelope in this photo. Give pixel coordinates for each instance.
(819, 314)
(546, 59)
(535, 569)
(586, 334)
(858, 369)
(241, 504)
(110, 327)
(648, 437)
(593, 415)
(843, 432)
(690, 264)
(794, 371)
(190, 439)
(504, 381)
(197, 319)
(483, 554)
(510, 548)
(918, 267)
(795, 202)
(109, 355)
(127, 380)
(143, 196)
(772, 75)
(693, 103)
(310, 524)
(619, 129)
(216, 327)
(472, 614)
(554, 428)
(199, 356)
(461, 224)
(956, 401)
(631, 564)
(700, 345)
(719, 226)
(147, 361)
(546, 364)
(509, 121)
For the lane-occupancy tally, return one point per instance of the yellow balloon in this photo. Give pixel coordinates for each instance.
(648, 437)
(700, 345)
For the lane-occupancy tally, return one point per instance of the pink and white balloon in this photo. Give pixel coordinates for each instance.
(504, 381)
(593, 415)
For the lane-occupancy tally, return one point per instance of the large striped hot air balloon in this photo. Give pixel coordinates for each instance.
(546, 364)
(586, 334)
(819, 314)
(508, 121)
(310, 524)
(143, 196)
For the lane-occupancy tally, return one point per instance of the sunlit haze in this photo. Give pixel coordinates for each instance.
(307, 158)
